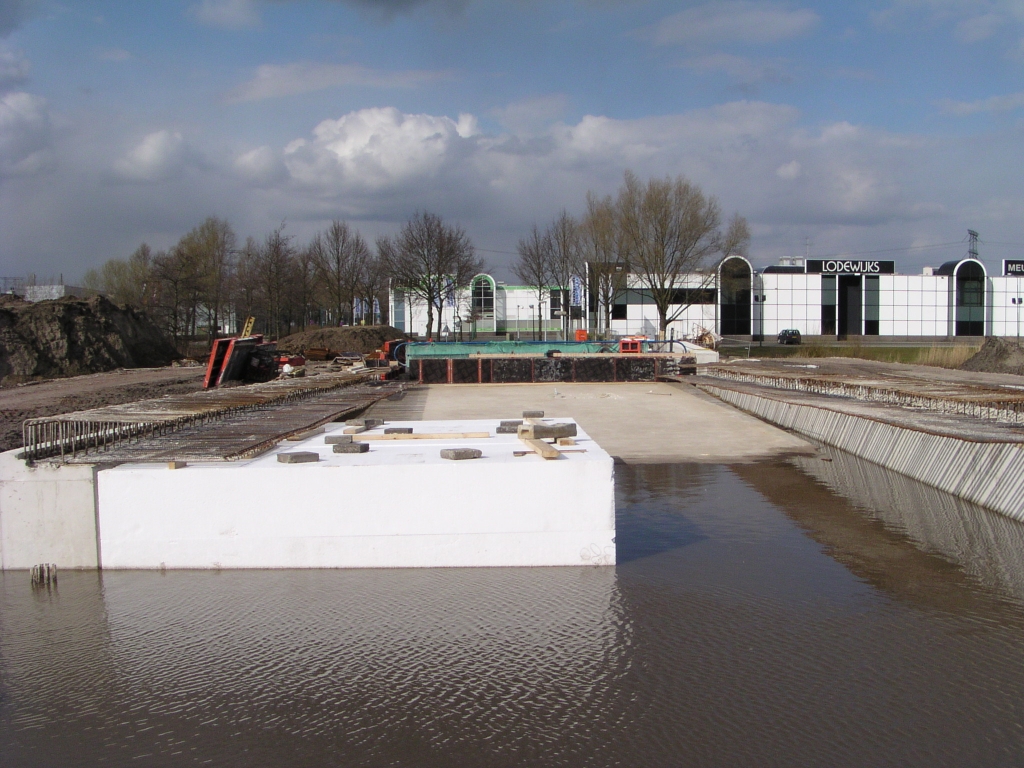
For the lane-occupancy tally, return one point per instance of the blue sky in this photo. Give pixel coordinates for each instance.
(835, 128)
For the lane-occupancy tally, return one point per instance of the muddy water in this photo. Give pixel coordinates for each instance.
(799, 612)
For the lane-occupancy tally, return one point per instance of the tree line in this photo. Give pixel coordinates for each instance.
(194, 287)
(662, 232)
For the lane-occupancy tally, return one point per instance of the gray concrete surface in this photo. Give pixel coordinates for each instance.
(637, 423)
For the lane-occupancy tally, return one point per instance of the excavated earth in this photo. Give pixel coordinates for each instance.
(70, 337)
(997, 356)
(355, 338)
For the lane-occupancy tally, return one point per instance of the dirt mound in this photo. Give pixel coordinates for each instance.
(354, 338)
(997, 356)
(69, 337)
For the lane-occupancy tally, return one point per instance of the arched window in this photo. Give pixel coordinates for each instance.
(970, 298)
(734, 285)
(483, 296)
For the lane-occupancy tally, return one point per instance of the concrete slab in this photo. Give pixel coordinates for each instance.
(637, 423)
(398, 505)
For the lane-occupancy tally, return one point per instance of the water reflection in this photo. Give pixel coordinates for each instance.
(794, 612)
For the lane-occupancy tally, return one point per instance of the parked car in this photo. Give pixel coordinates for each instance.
(789, 336)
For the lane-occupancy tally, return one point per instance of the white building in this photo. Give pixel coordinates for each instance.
(834, 298)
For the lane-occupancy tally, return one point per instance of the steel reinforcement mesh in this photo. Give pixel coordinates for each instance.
(552, 369)
(595, 369)
(465, 371)
(635, 369)
(434, 371)
(511, 371)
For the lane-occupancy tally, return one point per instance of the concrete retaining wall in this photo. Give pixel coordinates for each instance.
(986, 473)
(47, 515)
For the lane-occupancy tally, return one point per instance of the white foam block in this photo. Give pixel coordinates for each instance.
(400, 505)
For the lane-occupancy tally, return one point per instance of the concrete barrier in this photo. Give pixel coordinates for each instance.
(987, 473)
(47, 514)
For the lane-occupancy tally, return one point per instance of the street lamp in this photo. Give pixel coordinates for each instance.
(1017, 301)
(760, 298)
(534, 327)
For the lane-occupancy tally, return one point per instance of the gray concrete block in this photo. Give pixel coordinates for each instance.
(548, 431)
(458, 454)
(398, 431)
(298, 457)
(511, 429)
(533, 414)
(338, 439)
(352, 448)
(364, 422)
(511, 422)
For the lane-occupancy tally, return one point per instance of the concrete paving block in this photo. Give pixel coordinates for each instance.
(298, 457)
(533, 414)
(547, 431)
(511, 429)
(364, 423)
(511, 422)
(458, 454)
(351, 447)
(338, 439)
(398, 431)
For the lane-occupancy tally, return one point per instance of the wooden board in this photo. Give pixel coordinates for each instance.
(541, 448)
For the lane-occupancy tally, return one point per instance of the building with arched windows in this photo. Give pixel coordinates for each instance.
(831, 298)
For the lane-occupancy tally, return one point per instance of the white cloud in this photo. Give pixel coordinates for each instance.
(26, 134)
(273, 80)
(1006, 103)
(734, 21)
(227, 14)
(789, 171)
(158, 156)
(377, 148)
(261, 167)
(977, 28)
(14, 70)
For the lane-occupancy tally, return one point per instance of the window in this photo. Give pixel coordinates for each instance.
(483, 297)
(618, 311)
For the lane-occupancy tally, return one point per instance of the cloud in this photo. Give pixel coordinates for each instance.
(789, 171)
(733, 21)
(226, 14)
(1006, 103)
(26, 134)
(377, 148)
(14, 70)
(533, 114)
(261, 167)
(977, 28)
(273, 80)
(746, 73)
(13, 13)
(158, 156)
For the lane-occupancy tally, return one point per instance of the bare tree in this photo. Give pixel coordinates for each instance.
(670, 230)
(533, 265)
(274, 270)
(126, 282)
(430, 260)
(339, 254)
(564, 261)
(373, 285)
(600, 241)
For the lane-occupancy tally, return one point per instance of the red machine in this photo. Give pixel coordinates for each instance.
(243, 358)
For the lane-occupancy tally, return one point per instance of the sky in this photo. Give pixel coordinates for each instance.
(870, 128)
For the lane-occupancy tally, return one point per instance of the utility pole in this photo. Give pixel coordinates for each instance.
(972, 248)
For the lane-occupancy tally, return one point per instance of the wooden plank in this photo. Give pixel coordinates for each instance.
(546, 450)
(427, 436)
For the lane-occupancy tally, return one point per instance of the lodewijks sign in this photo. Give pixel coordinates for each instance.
(850, 267)
(1013, 268)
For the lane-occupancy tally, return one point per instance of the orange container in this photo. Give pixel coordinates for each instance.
(629, 346)
(581, 334)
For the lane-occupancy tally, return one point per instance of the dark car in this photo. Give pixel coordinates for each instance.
(789, 336)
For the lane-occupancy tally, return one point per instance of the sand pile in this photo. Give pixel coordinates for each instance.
(997, 356)
(355, 338)
(69, 337)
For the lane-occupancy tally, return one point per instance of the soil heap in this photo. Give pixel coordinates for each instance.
(352, 338)
(997, 356)
(68, 337)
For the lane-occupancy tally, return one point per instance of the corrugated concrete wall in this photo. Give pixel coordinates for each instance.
(986, 473)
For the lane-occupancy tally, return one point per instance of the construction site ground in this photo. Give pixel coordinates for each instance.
(635, 423)
(77, 393)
